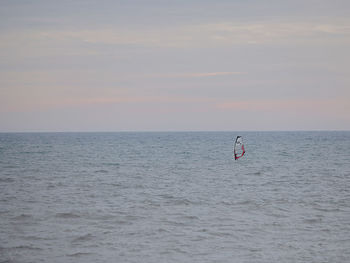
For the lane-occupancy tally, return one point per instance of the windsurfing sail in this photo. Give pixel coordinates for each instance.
(238, 148)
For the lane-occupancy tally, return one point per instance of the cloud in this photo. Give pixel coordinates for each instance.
(192, 74)
(216, 34)
(209, 74)
(339, 106)
(186, 36)
(24, 104)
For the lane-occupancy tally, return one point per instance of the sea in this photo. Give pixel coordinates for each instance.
(175, 197)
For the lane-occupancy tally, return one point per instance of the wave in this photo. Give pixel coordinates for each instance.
(7, 180)
(67, 215)
(21, 247)
(79, 254)
(101, 171)
(83, 238)
(23, 217)
(112, 164)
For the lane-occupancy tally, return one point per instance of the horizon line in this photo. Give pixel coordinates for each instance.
(179, 131)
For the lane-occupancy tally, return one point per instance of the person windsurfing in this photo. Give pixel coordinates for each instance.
(238, 148)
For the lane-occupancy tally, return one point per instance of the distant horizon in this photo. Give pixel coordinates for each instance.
(173, 131)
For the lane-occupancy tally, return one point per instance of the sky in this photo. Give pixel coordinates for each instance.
(167, 65)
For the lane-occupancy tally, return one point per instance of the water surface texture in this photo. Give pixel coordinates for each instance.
(174, 197)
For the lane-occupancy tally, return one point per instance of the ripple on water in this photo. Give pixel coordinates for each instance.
(83, 238)
(70, 215)
(80, 254)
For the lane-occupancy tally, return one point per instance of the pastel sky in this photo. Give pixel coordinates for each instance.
(162, 65)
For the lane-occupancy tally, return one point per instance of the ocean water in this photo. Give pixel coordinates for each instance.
(174, 197)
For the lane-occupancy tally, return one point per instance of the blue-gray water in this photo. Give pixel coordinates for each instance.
(174, 197)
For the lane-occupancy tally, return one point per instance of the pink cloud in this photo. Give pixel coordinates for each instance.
(41, 104)
(340, 106)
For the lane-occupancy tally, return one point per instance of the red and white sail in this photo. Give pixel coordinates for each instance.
(238, 148)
